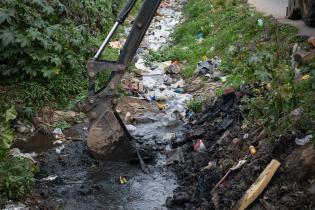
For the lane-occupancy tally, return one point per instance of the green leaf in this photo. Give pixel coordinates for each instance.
(57, 61)
(263, 76)
(23, 40)
(48, 10)
(6, 140)
(254, 60)
(7, 37)
(6, 16)
(48, 73)
(34, 34)
(10, 114)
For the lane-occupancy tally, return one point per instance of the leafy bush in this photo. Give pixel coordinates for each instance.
(16, 174)
(16, 177)
(44, 46)
(6, 132)
(44, 38)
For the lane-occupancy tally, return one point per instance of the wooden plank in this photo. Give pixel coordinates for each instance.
(258, 187)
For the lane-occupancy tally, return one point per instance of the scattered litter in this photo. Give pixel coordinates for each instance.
(237, 166)
(200, 36)
(210, 165)
(252, 150)
(15, 152)
(179, 84)
(117, 44)
(49, 178)
(306, 77)
(15, 206)
(178, 90)
(57, 142)
(174, 68)
(161, 97)
(123, 180)
(296, 114)
(169, 136)
(128, 118)
(229, 90)
(208, 66)
(59, 149)
(199, 146)
(161, 106)
(246, 135)
(304, 140)
(131, 128)
(260, 22)
(167, 80)
(57, 133)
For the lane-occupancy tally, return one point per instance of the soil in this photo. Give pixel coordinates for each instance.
(223, 129)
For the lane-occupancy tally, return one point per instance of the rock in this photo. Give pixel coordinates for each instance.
(69, 116)
(15, 152)
(23, 127)
(57, 133)
(180, 198)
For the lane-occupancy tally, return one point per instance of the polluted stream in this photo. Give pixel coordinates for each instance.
(70, 178)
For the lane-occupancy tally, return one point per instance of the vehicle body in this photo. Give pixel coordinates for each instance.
(304, 9)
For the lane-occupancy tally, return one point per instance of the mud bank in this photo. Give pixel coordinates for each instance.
(227, 138)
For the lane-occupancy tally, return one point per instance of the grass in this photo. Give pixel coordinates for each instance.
(251, 54)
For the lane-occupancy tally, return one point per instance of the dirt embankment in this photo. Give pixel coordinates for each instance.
(227, 137)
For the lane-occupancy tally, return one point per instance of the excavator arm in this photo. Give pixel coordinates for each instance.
(108, 137)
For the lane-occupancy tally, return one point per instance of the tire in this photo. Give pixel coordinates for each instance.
(308, 11)
(293, 10)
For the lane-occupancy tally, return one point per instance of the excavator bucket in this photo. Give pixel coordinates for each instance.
(108, 137)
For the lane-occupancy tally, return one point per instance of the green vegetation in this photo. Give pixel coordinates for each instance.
(196, 104)
(44, 46)
(16, 174)
(255, 50)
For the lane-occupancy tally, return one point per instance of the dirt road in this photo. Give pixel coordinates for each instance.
(277, 8)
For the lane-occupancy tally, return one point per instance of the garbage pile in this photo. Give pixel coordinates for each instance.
(157, 83)
(228, 163)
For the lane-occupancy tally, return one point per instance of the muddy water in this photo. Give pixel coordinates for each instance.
(70, 179)
(85, 183)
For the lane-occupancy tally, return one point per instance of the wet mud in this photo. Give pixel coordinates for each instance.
(227, 138)
(82, 182)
